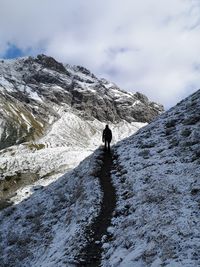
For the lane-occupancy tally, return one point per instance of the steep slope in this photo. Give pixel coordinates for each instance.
(158, 187)
(47, 229)
(52, 117)
(156, 221)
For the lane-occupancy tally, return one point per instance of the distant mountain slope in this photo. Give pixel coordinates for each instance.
(158, 185)
(52, 117)
(33, 89)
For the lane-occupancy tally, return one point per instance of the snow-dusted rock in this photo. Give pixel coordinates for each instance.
(32, 89)
(158, 187)
(52, 117)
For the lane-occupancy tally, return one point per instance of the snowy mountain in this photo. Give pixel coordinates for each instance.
(155, 222)
(157, 178)
(52, 117)
(33, 89)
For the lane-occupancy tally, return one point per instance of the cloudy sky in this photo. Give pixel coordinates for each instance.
(151, 46)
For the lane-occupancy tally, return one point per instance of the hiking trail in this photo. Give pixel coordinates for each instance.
(90, 255)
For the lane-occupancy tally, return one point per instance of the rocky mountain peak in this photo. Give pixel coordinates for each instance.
(84, 71)
(33, 89)
(50, 63)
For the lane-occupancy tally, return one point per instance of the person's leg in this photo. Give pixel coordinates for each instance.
(109, 146)
(105, 144)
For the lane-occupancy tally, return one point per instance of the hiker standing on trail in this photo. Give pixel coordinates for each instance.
(107, 137)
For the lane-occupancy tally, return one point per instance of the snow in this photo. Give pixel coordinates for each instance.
(136, 103)
(84, 77)
(46, 224)
(70, 140)
(118, 93)
(26, 120)
(33, 95)
(156, 222)
(5, 84)
(50, 162)
(1, 126)
(73, 198)
(108, 84)
(45, 229)
(157, 181)
(86, 87)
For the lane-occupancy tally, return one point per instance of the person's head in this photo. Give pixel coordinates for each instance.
(107, 126)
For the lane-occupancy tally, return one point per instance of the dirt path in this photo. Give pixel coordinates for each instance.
(90, 256)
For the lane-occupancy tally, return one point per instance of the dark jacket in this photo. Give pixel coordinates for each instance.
(107, 135)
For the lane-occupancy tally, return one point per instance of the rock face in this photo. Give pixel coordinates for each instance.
(32, 90)
(52, 116)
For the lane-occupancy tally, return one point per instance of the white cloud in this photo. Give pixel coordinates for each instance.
(150, 46)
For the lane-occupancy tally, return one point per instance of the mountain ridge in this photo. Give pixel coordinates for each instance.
(33, 82)
(52, 116)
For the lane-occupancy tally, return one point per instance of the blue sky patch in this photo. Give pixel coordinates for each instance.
(13, 52)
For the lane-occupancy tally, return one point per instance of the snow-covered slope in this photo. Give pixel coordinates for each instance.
(46, 230)
(52, 117)
(157, 177)
(156, 222)
(33, 90)
(155, 173)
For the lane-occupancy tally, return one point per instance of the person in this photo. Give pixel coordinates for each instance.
(107, 137)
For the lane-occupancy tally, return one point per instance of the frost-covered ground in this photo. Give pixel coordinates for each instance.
(157, 177)
(69, 141)
(52, 118)
(46, 225)
(156, 222)
(46, 230)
